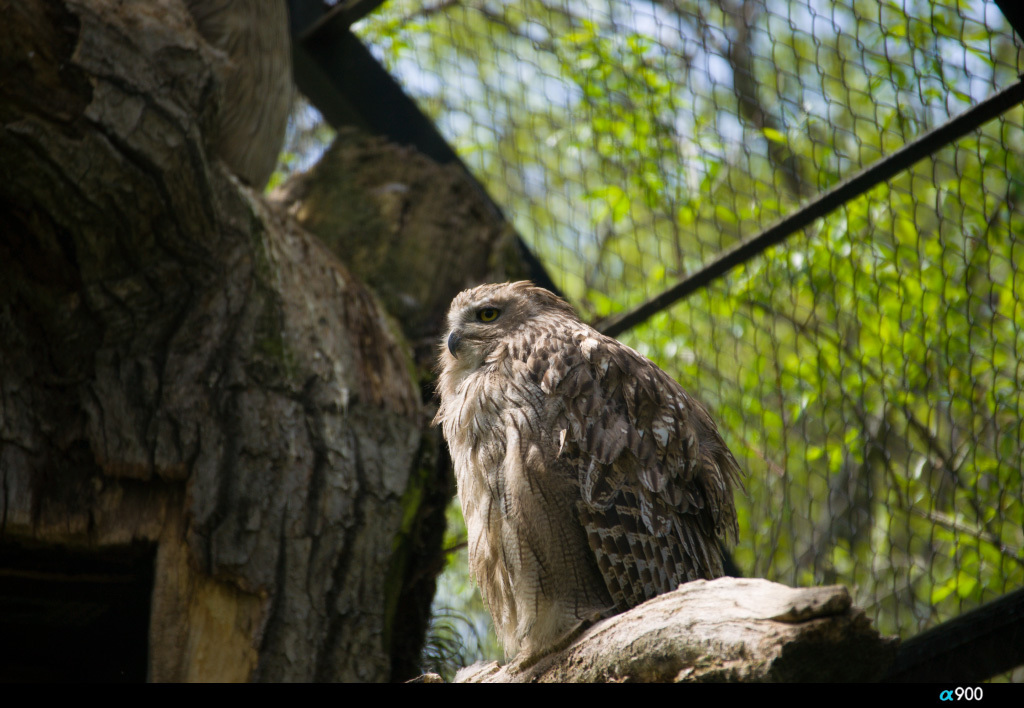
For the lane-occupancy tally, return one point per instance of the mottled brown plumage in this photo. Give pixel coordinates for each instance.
(589, 480)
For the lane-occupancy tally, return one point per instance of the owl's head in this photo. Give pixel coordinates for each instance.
(481, 319)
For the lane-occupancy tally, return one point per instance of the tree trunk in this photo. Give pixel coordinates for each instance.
(182, 368)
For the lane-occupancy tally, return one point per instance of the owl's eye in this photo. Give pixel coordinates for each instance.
(488, 314)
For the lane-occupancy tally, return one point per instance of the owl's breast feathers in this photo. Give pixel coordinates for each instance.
(527, 548)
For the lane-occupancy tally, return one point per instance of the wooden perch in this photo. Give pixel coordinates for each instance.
(730, 629)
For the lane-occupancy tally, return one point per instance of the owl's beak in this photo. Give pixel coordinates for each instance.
(453, 343)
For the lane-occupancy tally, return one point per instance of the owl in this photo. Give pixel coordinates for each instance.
(589, 480)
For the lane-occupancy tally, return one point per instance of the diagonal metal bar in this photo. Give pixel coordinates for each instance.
(340, 17)
(974, 646)
(843, 192)
(345, 82)
(1013, 10)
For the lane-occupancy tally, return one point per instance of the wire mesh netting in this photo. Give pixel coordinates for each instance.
(867, 372)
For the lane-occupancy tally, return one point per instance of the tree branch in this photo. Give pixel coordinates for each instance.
(728, 629)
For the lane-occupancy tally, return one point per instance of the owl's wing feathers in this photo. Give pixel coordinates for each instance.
(655, 476)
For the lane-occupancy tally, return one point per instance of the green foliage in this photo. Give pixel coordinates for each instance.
(867, 372)
(306, 139)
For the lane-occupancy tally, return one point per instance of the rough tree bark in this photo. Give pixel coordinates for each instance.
(416, 232)
(184, 366)
(729, 629)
